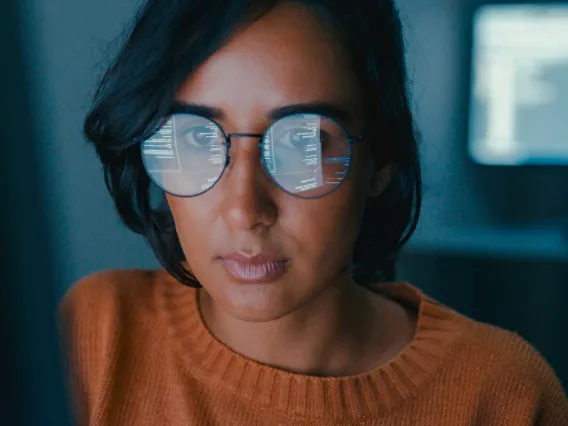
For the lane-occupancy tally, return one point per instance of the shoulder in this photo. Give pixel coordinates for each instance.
(101, 303)
(506, 351)
(102, 316)
(510, 372)
(492, 369)
(479, 352)
(109, 289)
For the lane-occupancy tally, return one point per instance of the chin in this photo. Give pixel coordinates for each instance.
(256, 302)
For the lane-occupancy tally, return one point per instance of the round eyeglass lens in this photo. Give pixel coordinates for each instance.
(307, 155)
(186, 156)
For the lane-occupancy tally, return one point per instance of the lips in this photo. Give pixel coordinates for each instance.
(260, 268)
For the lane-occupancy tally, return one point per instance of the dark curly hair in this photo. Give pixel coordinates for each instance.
(169, 39)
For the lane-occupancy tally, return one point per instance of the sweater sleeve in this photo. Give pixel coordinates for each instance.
(553, 410)
(537, 377)
(87, 322)
(519, 386)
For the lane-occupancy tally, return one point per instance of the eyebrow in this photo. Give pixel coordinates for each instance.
(322, 108)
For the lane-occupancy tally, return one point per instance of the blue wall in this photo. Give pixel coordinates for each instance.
(484, 244)
(67, 49)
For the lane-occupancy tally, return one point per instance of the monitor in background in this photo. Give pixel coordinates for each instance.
(519, 90)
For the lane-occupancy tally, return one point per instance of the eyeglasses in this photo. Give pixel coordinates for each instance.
(306, 155)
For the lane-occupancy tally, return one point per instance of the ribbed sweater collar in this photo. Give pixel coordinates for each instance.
(270, 389)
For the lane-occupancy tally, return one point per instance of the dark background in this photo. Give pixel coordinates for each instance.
(480, 247)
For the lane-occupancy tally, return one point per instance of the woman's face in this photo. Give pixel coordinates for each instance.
(288, 57)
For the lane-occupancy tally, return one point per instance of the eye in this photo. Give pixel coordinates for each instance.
(300, 138)
(295, 137)
(198, 136)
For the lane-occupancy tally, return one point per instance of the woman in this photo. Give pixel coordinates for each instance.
(266, 151)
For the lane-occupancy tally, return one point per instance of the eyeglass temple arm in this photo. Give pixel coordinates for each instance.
(355, 139)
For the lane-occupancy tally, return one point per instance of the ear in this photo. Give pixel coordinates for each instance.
(380, 180)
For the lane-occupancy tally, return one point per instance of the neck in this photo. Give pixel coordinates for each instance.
(328, 336)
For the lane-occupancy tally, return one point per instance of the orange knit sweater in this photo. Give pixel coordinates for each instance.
(140, 355)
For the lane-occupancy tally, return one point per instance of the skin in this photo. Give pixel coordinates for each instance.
(314, 319)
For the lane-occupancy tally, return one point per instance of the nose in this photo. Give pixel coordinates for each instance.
(248, 204)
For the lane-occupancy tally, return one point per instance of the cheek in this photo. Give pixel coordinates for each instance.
(191, 218)
(325, 228)
(341, 211)
(330, 225)
(181, 216)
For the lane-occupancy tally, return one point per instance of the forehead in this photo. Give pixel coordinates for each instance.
(288, 56)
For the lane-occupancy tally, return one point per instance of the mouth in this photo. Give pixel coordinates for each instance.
(256, 269)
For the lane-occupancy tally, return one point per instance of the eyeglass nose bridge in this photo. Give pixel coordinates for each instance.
(241, 135)
(244, 135)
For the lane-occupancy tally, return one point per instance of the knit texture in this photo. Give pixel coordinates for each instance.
(139, 354)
